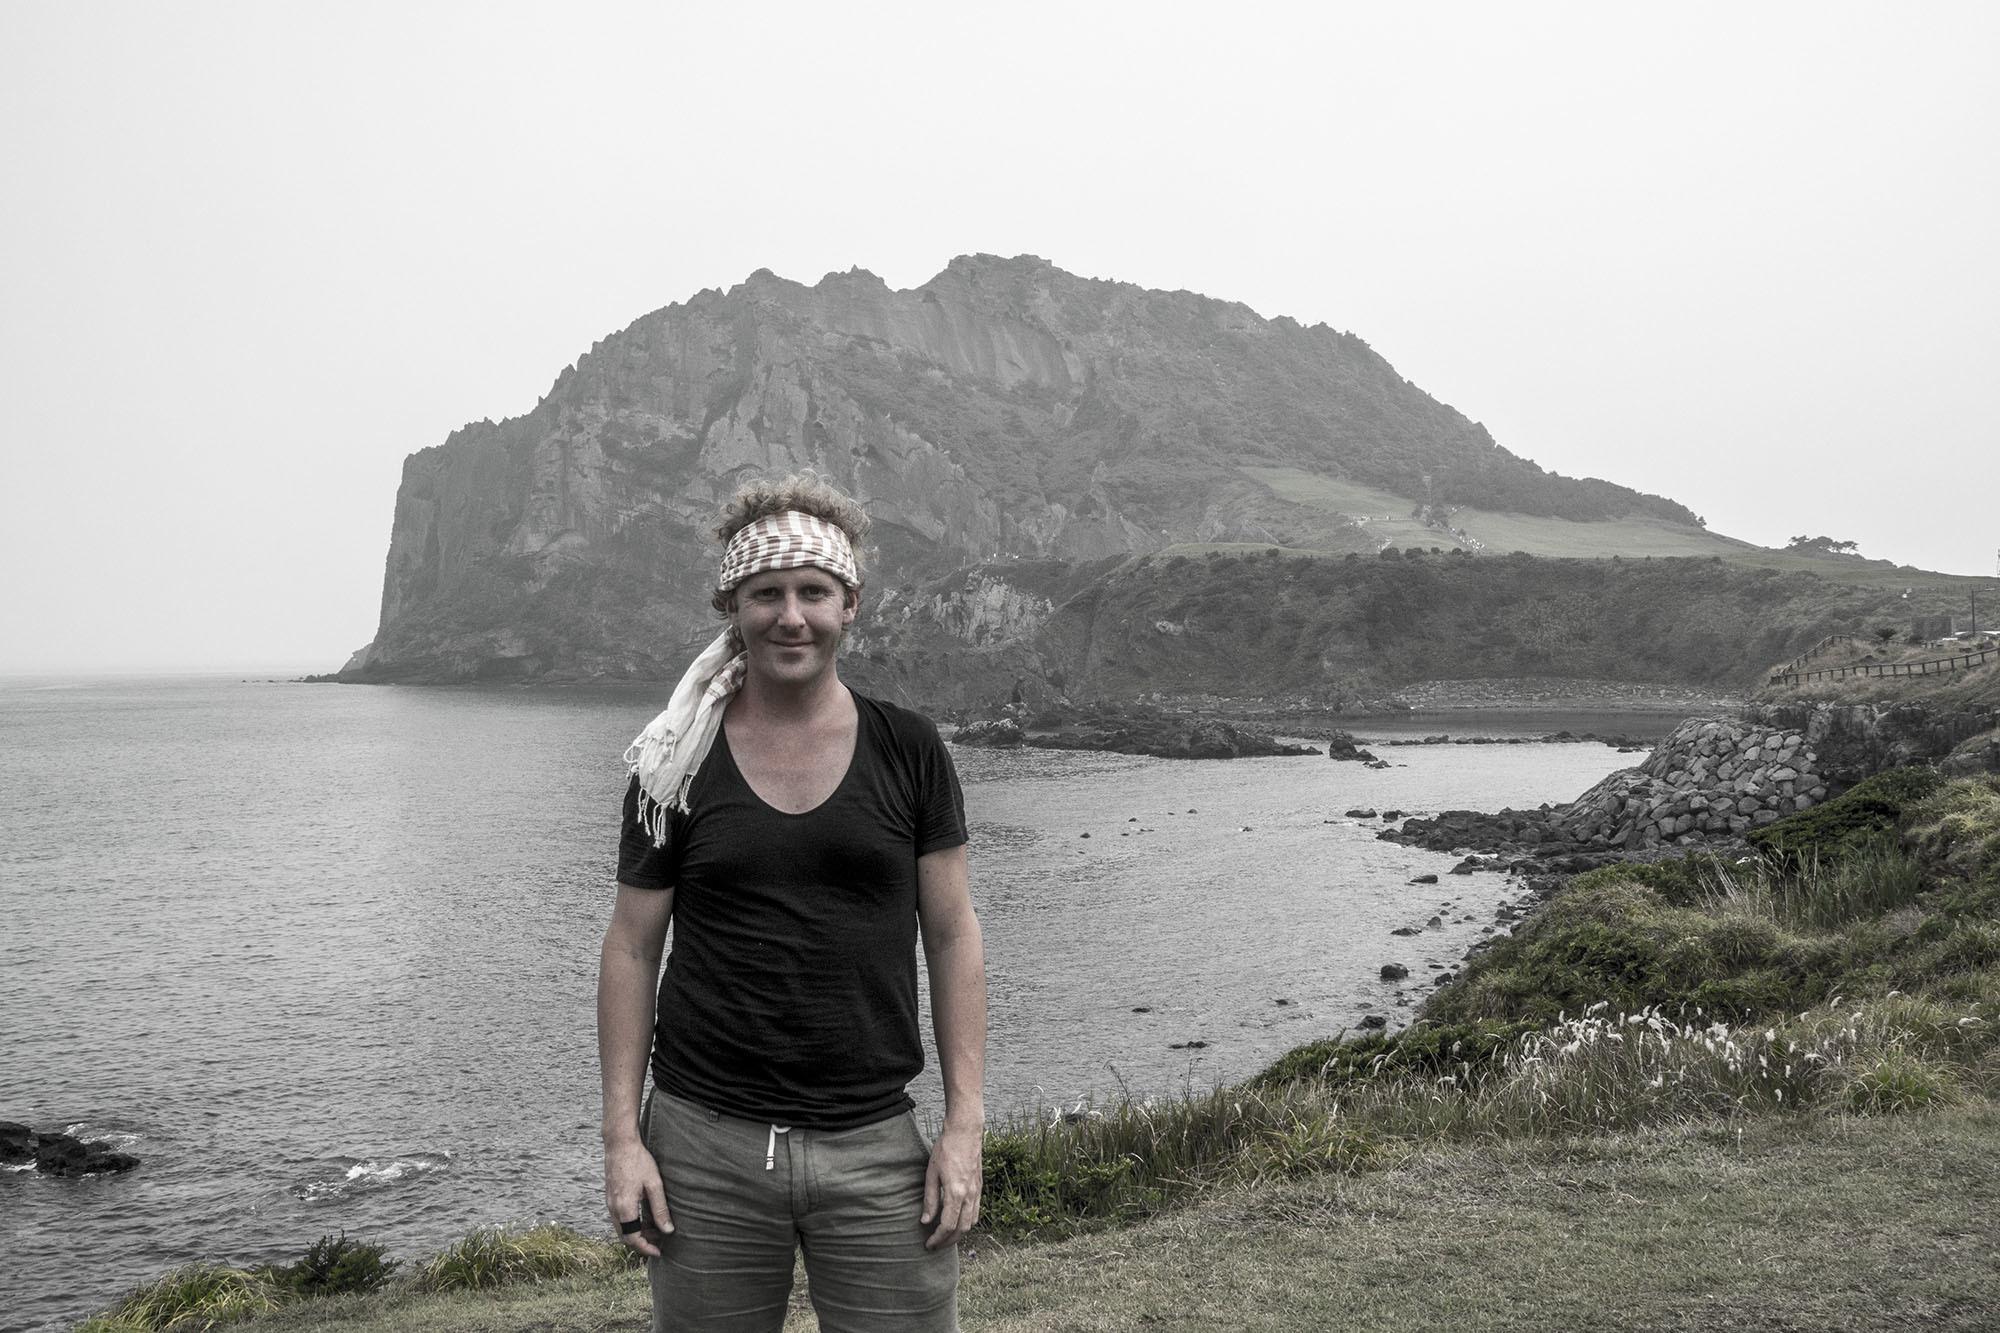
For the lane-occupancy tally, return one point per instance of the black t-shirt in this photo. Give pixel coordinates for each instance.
(790, 994)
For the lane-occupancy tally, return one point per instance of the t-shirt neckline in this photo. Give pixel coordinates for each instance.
(853, 762)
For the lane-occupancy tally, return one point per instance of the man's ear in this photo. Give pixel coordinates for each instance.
(850, 599)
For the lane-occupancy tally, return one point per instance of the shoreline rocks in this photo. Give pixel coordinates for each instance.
(1618, 742)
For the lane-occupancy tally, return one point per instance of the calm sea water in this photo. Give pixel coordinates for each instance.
(324, 957)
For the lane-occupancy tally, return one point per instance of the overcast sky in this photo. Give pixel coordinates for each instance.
(253, 255)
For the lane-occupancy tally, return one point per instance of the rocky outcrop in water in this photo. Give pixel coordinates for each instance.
(1342, 747)
(59, 1154)
(1173, 738)
(1164, 736)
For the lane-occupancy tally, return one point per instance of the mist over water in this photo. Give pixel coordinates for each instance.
(325, 958)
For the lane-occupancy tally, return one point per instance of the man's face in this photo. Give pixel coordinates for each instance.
(791, 621)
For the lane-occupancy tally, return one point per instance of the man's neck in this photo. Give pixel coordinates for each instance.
(802, 705)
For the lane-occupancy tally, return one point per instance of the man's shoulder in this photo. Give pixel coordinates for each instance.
(905, 726)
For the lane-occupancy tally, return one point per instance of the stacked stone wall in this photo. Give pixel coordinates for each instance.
(1717, 778)
(1710, 776)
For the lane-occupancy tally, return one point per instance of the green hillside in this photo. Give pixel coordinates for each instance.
(1246, 622)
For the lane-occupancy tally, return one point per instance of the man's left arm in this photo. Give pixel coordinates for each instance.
(956, 958)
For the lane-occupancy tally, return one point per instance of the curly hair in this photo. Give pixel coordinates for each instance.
(807, 492)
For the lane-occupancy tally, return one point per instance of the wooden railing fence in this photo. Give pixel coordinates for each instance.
(1932, 667)
(1812, 652)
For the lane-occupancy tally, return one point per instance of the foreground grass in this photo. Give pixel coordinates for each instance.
(1801, 1224)
(1835, 1222)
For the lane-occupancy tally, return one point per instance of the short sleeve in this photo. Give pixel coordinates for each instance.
(940, 801)
(640, 863)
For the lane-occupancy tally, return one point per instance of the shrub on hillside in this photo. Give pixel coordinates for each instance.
(1870, 811)
(1426, 1048)
(332, 1265)
(1621, 942)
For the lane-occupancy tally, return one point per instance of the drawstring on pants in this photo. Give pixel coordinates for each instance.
(771, 1146)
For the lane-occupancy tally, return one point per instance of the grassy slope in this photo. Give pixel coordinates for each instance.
(1387, 517)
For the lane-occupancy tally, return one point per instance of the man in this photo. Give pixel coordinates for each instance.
(800, 837)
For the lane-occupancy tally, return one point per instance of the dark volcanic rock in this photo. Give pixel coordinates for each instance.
(1170, 738)
(1341, 746)
(64, 1155)
(1394, 971)
(17, 1142)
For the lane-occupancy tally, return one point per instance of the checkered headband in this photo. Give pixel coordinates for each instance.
(788, 540)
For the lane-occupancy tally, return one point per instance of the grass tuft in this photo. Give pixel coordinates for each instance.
(1959, 825)
(496, 1256)
(191, 1298)
(1898, 1081)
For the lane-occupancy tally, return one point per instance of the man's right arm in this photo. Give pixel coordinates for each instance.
(628, 975)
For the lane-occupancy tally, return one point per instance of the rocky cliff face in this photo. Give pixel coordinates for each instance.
(1004, 414)
(1855, 740)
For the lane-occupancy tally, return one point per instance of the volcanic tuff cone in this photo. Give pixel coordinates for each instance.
(1007, 424)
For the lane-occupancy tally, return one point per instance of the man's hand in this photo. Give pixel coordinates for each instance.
(952, 1182)
(630, 1177)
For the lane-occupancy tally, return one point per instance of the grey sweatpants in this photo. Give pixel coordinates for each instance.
(745, 1197)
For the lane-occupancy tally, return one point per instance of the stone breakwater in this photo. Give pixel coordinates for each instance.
(1710, 779)
(1709, 776)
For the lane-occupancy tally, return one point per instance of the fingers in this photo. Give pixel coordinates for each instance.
(642, 1238)
(957, 1219)
(656, 1197)
(957, 1213)
(635, 1198)
(930, 1192)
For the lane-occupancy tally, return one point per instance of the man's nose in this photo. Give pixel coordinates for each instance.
(791, 611)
